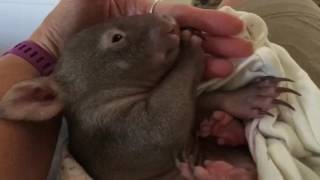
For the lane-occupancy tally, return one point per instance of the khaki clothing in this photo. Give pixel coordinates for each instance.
(295, 25)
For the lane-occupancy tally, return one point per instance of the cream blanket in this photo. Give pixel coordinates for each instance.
(284, 147)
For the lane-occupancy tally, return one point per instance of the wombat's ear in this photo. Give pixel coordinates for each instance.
(32, 100)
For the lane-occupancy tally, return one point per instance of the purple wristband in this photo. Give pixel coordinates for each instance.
(35, 55)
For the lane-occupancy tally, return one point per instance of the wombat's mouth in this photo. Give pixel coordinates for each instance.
(174, 46)
(173, 41)
(169, 38)
(173, 31)
(171, 28)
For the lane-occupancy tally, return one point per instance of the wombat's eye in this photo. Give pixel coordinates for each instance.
(117, 38)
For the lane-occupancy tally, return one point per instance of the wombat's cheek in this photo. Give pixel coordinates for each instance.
(173, 40)
(165, 58)
(172, 36)
(169, 25)
(165, 41)
(172, 54)
(170, 46)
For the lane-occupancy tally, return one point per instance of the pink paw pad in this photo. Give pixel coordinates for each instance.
(227, 130)
(215, 170)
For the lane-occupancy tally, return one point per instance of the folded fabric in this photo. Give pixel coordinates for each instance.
(287, 146)
(284, 147)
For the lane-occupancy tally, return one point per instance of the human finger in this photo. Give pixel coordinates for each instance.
(229, 47)
(210, 21)
(217, 67)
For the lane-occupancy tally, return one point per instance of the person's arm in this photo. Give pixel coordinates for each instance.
(25, 149)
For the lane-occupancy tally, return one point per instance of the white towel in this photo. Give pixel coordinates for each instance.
(284, 147)
(287, 146)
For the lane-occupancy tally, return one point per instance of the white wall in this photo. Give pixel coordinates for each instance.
(18, 19)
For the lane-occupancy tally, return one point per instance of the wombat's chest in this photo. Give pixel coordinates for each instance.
(124, 139)
(130, 150)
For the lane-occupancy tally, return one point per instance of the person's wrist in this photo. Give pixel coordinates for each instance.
(43, 39)
(40, 51)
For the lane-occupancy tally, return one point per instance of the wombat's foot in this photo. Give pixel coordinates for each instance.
(191, 44)
(256, 99)
(222, 126)
(215, 170)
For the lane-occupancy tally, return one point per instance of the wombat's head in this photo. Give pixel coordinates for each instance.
(129, 52)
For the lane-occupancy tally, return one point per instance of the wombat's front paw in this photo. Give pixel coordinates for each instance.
(191, 50)
(191, 45)
(257, 98)
(227, 130)
(190, 40)
(216, 170)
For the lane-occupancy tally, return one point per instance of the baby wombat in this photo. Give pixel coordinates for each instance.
(127, 89)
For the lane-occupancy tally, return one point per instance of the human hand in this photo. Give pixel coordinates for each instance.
(219, 42)
(71, 16)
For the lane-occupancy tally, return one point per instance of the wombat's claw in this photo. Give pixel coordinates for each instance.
(283, 103)
(278, 79)
(191, 162)
(186, 167)
(274, 79)
(287, 90)
(189, 159)
(257, 98)
(261, 112)
(268, 81)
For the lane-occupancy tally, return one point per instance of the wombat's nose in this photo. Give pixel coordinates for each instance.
(171, 24)
(203, 2)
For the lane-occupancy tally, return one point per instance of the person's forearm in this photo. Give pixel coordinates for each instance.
(26, 149)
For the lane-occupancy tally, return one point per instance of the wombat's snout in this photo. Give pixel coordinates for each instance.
(171, 25)
(167, 37)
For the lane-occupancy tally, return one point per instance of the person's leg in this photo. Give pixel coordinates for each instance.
(293, 24)
(206, 3)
